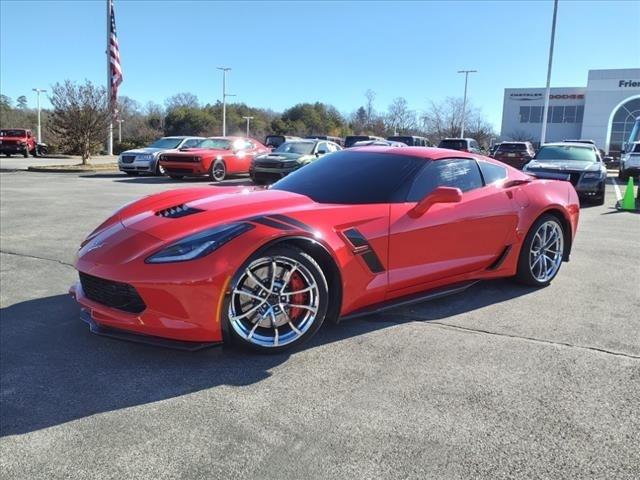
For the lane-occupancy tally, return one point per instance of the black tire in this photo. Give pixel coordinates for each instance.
(309, 267)
(132, 174)
(7, 155)
(257, 181)
(524, 273)
(176, 177)
(159, 171)
(218, 171)
(25, 153)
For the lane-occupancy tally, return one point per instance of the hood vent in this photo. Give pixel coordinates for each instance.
(177, 211)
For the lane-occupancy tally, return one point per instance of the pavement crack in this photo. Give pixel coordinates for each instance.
(66, 264)
(525, 338)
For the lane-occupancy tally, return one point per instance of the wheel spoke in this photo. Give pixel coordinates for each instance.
(306, 307)
(242, 291)
(253, 277)
(247, 313)
(304, 290)
(287, 276)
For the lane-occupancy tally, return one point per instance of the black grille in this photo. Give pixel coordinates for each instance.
(112, 294)
(178, 170)
(177, 211)
(128, 158)
(180, 158)
(575, 178)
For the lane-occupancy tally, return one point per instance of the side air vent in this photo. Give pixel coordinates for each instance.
(177, 211)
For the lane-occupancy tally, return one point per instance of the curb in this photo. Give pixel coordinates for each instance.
(46, 169)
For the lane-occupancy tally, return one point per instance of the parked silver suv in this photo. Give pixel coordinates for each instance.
(145, 160)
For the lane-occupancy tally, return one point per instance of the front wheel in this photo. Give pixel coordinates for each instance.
(160, 171)
(218, 171)
(26, 153)
(277, 300)
(542, 252)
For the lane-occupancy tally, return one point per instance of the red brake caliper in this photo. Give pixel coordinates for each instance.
(296, 283)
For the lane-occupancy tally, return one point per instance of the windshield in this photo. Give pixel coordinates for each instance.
(512, 147)
(352, 177)
(453, 144)
(13, 133)
(636, 148)
(166, 143)
(562, 153)
(350, 140)
(215, 143)
(302, 148)
(274, 140)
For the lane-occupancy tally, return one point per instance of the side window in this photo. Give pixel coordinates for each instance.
(459, 173)
(192, 142)
(492, 173)
(322, 148)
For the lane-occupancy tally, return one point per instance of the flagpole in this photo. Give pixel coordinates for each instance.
(110, 133)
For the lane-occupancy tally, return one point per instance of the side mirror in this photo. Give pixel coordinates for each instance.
(439, 195)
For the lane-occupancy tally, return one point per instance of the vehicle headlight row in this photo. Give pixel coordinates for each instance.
(200, 244)
(592, 175)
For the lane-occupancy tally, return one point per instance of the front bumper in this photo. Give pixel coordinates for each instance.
(12, 148)
(184, 168)
(271, 172)
(146, 166)
(590, 188)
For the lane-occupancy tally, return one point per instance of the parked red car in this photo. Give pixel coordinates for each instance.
(355, 232)
(17, 140)
(515, 154)
(216, 157)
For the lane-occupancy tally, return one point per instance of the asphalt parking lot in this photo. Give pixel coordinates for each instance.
(501, 381)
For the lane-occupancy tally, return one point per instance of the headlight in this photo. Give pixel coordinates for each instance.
(591, 175)
(199, 244)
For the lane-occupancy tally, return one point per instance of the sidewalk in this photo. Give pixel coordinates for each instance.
(20, 163)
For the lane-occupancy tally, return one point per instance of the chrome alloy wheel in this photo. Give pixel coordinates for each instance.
(219, 171)
(274, 302)
(545, 255)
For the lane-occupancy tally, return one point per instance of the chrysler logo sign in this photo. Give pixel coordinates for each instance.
(628, 83)
(526, 97)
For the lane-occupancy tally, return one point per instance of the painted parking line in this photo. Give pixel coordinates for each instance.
(617, 189)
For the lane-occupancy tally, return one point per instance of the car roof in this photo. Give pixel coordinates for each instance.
(427, 153)
(180, 137)
(568, 144)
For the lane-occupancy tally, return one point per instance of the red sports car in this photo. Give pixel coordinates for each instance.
(216, 157)
(357, 231)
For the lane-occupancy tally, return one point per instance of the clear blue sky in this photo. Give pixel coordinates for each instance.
(283, 53)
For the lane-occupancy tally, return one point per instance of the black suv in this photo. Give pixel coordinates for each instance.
(462, 144)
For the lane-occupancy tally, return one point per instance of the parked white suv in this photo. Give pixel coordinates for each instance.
(630, 162)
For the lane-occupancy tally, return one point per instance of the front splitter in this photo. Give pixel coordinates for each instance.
(118, 334)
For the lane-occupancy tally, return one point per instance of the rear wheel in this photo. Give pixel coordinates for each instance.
(542, 252)
(278, 300)
(218, 171)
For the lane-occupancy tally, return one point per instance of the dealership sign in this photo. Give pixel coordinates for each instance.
(529, 96)
(628, 84)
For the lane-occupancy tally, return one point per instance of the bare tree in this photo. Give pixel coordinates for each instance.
(401, 119)
(443, 120)
(80, 116)
(184, 99)
(520, 136)
(370, 112)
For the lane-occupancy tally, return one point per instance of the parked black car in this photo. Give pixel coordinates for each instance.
(411, 140)
(462, 144)
(578, 163)
(287, 158)
(338, 140)
(274, 141)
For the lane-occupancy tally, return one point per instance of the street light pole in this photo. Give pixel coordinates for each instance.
(120, 130)
(224, 99)
(545, 110)
(464, 101)
(248, 119)
(39, 91)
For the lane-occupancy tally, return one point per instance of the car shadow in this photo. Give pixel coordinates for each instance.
(53, 370)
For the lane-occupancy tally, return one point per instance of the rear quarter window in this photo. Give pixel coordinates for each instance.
(492, 173)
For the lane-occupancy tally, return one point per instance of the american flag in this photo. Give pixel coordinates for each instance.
(115, 69)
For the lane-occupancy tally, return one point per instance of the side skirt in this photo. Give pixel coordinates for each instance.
(411, 299)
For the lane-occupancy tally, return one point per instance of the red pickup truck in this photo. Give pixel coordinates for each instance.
(17, 140)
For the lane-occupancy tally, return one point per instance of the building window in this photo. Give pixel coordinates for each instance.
(536, 115)
(558, 113)
(623, 121)
(579, 114)
(569, 114)
(524, 114)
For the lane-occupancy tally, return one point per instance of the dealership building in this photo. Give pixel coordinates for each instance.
(604, 110)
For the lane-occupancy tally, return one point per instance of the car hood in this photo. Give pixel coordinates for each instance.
(204, 151)
(563, 166)
(281, 157)
(140, 151)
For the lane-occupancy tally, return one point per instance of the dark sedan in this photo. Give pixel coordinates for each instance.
(287, 158)
(577, 163)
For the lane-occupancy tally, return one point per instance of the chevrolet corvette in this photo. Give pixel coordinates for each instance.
(355, 232)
